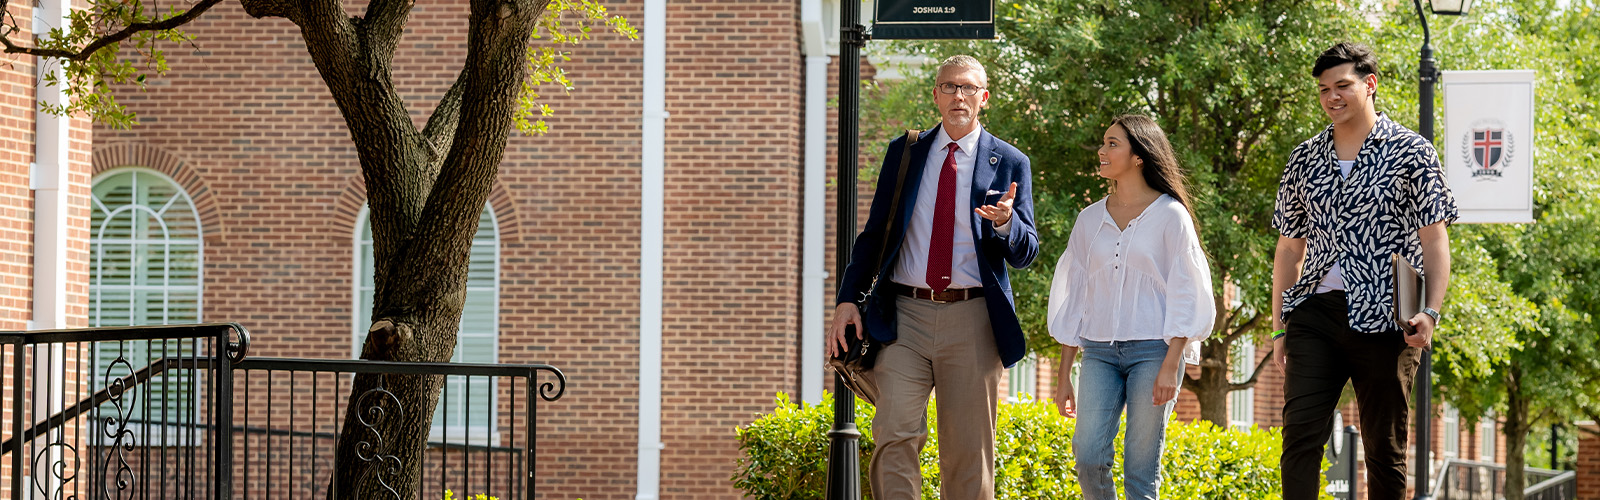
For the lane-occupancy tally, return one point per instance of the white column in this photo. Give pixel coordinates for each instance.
(652, 206)
(814, 238)
(51, 186)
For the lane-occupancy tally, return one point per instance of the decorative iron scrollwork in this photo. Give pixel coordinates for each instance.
(55, 471)
(377, 404)
(550, 391)
(115, 427)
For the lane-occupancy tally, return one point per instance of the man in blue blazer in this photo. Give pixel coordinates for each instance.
(942, 303)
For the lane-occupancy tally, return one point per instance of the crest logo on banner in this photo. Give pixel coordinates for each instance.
(1488, 148)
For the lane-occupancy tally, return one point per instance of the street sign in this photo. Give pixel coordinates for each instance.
(933, 19)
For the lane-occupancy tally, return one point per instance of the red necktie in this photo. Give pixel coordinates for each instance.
(944, 224)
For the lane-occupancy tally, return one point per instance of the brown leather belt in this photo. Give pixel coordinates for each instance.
(944, 297)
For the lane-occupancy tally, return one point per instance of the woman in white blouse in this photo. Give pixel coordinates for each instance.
(1133, 294)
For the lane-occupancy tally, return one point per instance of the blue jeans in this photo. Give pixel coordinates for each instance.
(1115, 375)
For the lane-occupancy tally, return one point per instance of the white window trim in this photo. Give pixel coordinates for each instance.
(1243, 401)
(1022, 380)
(1487, 438)
(1451, 428)
(488, 435)
(168, 434)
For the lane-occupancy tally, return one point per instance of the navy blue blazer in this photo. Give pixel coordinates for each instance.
(996, 165)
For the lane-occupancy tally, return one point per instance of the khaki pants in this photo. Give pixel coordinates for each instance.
(951, 347)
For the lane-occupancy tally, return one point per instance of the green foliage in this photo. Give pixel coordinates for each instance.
(786, 451)
(1520, 315)
(1228, 81)
(544, 62)
(87, 81)
(1230, 84)
(448, 495)
(785, 455)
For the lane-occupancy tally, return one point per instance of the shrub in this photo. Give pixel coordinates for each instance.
(785, 455)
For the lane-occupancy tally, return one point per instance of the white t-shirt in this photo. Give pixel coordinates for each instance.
(1334, 280)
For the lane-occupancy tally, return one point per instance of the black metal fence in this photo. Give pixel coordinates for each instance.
(1468, 480)
(181, 412)
(482, 441)
(116, 413)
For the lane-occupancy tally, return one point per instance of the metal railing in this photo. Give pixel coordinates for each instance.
(118, 412)
(180, 412)
(483, 438)
(1470, 480)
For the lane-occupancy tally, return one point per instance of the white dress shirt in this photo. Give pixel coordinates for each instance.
(1148, 282)
(911, 268)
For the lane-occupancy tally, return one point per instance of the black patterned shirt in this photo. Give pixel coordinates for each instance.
(1396, 188)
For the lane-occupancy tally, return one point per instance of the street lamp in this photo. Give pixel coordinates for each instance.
(844, 469)
(1428, 75)
(1450, 7)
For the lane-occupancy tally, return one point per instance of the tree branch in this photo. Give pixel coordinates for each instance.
(385, 22)
(1251, 382)
(1224, 319)
(287, 9)
(1245, 328)
(120, 35)
(442, 124)
(1593, 417)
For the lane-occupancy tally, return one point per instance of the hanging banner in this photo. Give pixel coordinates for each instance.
(1487, 144)
(933, 19)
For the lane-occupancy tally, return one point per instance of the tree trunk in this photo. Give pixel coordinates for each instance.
(426, 189)
(1213, 386)
(1516, 428)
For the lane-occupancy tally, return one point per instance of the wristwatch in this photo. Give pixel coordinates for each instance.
(1432, 314)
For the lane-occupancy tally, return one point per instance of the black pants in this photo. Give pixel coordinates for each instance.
(1324, 353)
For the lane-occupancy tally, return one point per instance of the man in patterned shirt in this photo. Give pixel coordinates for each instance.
(1362, 190)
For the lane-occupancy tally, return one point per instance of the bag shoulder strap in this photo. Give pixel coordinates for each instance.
(894, 204)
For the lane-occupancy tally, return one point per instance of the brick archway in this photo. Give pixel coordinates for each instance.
(133, 154)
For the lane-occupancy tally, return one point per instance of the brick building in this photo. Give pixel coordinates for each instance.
(1589, 460)
(267, 213)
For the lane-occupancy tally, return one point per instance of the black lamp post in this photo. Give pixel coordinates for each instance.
(844, 466)
(1428, 75)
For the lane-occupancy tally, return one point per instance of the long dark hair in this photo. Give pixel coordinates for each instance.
(1161, 170)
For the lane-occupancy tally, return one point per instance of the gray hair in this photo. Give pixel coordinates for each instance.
(966, 62)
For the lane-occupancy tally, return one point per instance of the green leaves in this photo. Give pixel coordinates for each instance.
(565, 23)
(1520, 315)
(1228, 81)
(93, 53)
(89, 65)
(785, 455)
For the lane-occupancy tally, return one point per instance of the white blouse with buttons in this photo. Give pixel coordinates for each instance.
(1149, 281)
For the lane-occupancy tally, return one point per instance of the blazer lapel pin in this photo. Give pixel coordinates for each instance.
(993, 160)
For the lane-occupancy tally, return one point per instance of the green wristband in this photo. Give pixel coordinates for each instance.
(1278, 334)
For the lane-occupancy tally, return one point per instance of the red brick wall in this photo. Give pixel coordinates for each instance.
(17, 98)
(733, 231)
(18, 101)
(1589, 463)
(246, 117)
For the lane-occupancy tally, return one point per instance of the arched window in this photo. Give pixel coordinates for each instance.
(145, 264)
(462, 406)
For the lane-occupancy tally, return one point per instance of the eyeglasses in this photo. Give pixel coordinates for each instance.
(951, 88)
